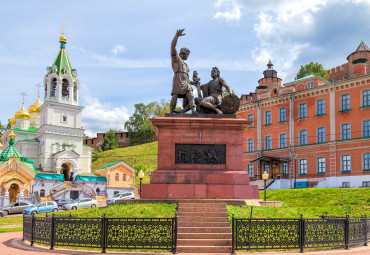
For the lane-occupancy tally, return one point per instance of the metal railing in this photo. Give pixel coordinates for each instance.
(248, 234)
(104, 233)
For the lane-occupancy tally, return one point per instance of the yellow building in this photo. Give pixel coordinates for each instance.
(16, 173)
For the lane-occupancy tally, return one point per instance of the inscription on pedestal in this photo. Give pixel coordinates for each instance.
(210, 154)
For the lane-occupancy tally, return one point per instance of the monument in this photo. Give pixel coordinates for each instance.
(199, 154)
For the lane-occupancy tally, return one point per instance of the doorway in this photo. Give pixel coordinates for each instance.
(13, 192)
(74, 194)
(65, 171)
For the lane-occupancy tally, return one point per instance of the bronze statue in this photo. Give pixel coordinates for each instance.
(212, 93)
(181, 85)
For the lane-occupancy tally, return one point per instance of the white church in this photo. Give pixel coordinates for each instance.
(50, 135)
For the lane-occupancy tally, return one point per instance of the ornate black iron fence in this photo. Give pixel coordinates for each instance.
(117, 233)
(299, 233)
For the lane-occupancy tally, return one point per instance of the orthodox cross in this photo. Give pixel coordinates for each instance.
(38, 85)
(23, 94)
(63, 25)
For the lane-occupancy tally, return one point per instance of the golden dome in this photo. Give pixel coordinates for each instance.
(22, 113)
(35, 107)
(12, 121)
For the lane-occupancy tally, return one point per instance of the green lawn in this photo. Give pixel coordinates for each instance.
(311, 203)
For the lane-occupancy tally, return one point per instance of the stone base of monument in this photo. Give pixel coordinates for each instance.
(199, 158)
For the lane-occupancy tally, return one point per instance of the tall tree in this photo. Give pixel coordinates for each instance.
(2, 128)
(138, 125)
(110, 141)
(312, 68)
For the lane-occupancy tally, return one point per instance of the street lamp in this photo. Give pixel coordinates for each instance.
(265, 176)
(141, 176)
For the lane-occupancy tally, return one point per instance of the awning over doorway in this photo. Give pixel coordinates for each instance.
(59, 177)
(269, 159)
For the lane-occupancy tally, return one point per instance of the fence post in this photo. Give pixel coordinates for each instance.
(301, 233)
(32, 228)
(366, 231)
(233, 235)
(52, 232)
(174, 240)
(23, 228)
(103, 234)
(346, 232)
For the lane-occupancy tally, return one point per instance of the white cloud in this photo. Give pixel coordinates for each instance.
(117, 49)
(100, 117)
(231, 10)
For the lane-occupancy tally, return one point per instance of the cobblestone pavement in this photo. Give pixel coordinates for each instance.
(11, 244)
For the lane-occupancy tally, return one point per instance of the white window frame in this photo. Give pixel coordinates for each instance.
(285, 144)
(363, 128)
(364, 164)
(300, 112)
(320, 164)
(304, 170)
(318, 135)
(250, 170)
(300, 137)
(348, 136)
(310, 84)
(248, 147)
(349, 102)
(252, 119)
(270, 119)
(270, 142)
(343, 165)
(280, 109)
(317, 106)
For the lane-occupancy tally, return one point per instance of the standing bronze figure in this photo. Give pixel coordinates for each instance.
(181, 85)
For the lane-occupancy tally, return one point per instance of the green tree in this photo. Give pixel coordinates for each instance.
(2, 128)
(110, 141)
(138, 125)
(312, 68)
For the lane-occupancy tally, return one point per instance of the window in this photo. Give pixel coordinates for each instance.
(346, 163)
(320, 107)
(282, 115)
(251, 117)
(267, 142)
(366, 98)
(250, 145)
(346, 131)
(266, 167)
(321, 135)
(345, 184)
(321, 165)
(268, 118)
(251, 170)
(282, 140)
(123, 177)
(53, 87)
(366, 128)
(42, 193)
(303, 166)
(303, 137)
(310, 84)
(65, 88)
(63, 118)
(303, 111)
(366, 158)
(345, 102)
(117, 177)
(285, 168)
(366, 184)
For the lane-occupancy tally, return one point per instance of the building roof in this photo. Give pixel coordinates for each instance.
(91, 178)
(62, 61)
(269, 159)
(308, 77)
(109, 165)
(11, 151)
(362, 47)
(47, 176)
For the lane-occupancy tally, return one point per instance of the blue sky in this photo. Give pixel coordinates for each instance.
(121, 48)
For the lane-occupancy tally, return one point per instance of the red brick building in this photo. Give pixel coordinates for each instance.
(97, 142)
(311, 132)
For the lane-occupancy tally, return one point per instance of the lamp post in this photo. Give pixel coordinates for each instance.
(265, 176)
(141, 176)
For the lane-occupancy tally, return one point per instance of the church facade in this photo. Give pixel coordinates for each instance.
(44, 156)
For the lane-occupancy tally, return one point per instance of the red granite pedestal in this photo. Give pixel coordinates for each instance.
(175, 179)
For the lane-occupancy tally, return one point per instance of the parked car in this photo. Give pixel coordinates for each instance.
(81, 204)
(42, 207)
(16, 207)
(2, 213)
(61, 202)
(125, 195)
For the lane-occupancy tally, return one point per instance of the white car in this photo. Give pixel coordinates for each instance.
(118, 196)
(81, 204)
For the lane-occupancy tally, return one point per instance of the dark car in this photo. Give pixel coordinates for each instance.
(61, 202)
(16, 207)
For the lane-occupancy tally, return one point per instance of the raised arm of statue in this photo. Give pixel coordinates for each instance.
(174, 41)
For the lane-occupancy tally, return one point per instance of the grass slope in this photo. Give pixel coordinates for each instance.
(311, 203)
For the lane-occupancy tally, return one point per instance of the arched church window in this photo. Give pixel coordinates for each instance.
(65, 88)
(117, 177)
(123, 177)
(75, 92)
(53, 87)
(46, 89)
(42, 193)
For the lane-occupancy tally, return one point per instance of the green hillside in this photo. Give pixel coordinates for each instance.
(145, 154)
